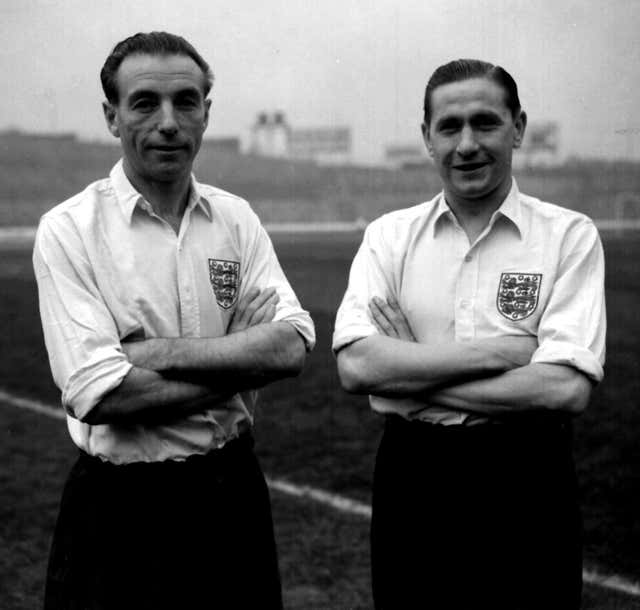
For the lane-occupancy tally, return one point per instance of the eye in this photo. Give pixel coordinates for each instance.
(487, 123)
(143, 104)
(486, 126)
(447, 128)
(189, 102)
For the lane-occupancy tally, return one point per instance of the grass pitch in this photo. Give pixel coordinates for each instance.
(310, 432)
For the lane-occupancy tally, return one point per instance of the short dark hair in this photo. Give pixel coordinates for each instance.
(152, 43)
(465, 69)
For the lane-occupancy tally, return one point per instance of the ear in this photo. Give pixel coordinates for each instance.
(110, 116)
(520, 124)
(424, 128)
(207, 108)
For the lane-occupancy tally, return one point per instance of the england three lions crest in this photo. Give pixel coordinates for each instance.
(225, 278)
(518, 295)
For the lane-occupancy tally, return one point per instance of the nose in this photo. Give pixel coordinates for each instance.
(167, 124)
(467, 144)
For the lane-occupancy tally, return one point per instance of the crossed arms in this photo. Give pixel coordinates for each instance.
(175, 377)
(492, 377)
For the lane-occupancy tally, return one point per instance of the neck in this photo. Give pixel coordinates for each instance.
(168, 199)
(474, 214)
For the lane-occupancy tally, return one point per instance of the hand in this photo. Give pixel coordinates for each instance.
(389, 319)
(256, 307)
(143, 354)
(515, 351)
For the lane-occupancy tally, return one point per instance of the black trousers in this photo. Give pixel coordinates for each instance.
(192, 534)
(476, 517)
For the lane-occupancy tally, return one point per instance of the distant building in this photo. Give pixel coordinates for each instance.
(405, 156)
(39, 137)
(540, 147)
(331, 145)
(229, 144)
(272, 136)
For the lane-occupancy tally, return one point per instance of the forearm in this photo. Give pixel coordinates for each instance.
(249, 358)
(385, 366)
(536, 388)
(145, 396)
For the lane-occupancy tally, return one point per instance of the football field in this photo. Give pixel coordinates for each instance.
(317, 444)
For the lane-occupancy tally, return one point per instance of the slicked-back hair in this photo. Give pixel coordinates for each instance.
(465, 69)
(152, 43)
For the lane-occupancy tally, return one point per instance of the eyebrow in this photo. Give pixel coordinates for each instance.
(140, 93)
(486, 115)
(482, 116)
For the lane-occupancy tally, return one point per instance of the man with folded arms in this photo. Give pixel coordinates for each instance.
(476, 323)
(164, 308)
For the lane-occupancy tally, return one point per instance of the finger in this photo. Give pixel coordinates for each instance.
(254, 304)
(257, 304)
(391, 301)
(380, 319)
(244, 302)
(389, 314)
(266, 312)
(269, 314)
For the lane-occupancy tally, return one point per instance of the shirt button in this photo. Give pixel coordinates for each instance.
(467, 258)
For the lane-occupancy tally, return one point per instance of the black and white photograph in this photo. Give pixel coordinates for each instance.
(320, 306)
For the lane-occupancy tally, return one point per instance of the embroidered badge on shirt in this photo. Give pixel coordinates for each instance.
(518, 295)
(224, 276)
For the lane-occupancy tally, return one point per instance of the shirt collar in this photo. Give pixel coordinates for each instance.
(129, 198)
(510, 209)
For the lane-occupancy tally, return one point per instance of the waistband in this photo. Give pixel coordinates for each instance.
(242, 444)
(516, 425)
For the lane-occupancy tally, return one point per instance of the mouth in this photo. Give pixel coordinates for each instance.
(470, 167)
(166, 148)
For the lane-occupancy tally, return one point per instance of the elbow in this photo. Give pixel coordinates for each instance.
(93, 416)
(351, 372)
(572, 393)
(293, 357)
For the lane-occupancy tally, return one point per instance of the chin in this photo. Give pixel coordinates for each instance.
(171, 169)
(472, 191)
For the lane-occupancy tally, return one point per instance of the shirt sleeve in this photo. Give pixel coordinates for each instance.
(572, 328)
(371, 275)
(79, 331)
(263, 270)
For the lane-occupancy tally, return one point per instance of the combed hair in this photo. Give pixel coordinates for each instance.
(152, 43)
(465, 69)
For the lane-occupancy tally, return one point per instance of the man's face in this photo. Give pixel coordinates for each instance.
(160, 116)
(471, 137)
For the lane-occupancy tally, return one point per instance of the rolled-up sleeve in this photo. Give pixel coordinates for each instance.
(370, 276)
(572, 329)
(79, 331)
(263, 270)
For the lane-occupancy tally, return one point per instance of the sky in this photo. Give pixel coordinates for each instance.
(357, 63)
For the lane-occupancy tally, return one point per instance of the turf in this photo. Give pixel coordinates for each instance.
(310, 432)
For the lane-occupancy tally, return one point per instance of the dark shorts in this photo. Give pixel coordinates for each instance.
(476, 517)
(192, 534)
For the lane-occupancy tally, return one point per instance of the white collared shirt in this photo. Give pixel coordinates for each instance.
(109, 269)
(536, 270)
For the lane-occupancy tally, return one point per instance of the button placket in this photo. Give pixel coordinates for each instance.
(466, 289)
(188, 306)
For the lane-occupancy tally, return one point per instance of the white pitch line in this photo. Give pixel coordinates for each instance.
(617, 583)
(335, 501)
(23, 236)
(340, 503)
(32, 405)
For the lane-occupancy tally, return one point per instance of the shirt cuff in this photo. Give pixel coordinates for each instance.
(103, 372)
(346, 336)
(569, 354)
(301, 321)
